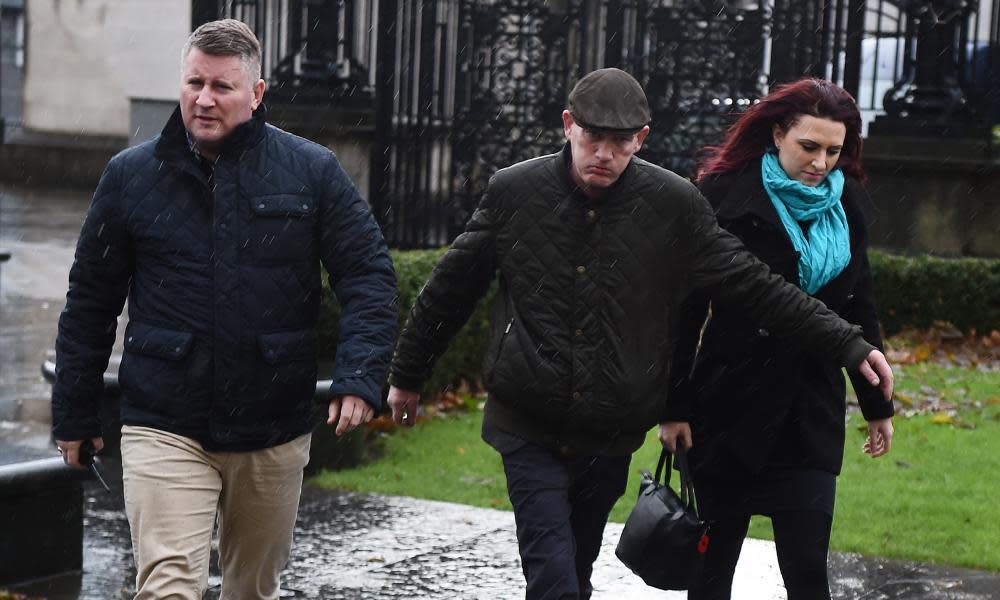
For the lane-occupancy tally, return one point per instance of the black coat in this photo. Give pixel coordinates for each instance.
(586, 313)
(222, 277)
(753, 398)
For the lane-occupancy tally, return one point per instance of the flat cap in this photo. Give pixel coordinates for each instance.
(609, 100)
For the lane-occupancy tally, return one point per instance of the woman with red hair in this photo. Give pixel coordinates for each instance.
(764, 424)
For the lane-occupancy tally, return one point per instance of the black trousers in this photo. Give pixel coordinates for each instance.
(802, 540)
(561, 505)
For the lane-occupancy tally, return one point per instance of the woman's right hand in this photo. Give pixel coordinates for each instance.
(671, 431)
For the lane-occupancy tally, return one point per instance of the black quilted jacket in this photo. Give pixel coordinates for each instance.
(585, 321)
(222, 275)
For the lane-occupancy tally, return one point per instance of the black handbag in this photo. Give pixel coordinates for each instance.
(664, 540)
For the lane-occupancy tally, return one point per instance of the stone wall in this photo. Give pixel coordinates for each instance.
(935, 195)
(84, 59)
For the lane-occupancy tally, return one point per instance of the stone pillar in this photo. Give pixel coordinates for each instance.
(931, 91)
(930, 161)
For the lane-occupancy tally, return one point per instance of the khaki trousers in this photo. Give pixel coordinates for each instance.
(173, 491)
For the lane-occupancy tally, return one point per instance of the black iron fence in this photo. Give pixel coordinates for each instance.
(486, 89)
(314, 51)
(954, 70)
(461, 88)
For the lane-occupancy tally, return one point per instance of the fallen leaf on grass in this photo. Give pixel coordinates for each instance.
(941, 419)
(922, 352)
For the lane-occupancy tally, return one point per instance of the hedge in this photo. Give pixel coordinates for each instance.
(917, 291)
(462, 362)
(910, 292)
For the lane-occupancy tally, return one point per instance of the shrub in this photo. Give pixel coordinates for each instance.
(917, 291)
(462, 361)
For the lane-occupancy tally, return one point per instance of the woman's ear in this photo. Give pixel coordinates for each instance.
(777, 134)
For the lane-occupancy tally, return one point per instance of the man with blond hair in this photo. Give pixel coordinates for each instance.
(215, 231)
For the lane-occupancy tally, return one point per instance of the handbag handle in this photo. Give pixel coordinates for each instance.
(687, 484)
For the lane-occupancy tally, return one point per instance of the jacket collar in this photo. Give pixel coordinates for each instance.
(563, 167)
(745, 195)
(174, 142)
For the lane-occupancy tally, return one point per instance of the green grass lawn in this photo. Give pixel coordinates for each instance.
(933, 498)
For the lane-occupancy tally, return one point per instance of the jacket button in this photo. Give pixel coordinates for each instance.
(261, 205)
(591, 216)
(130, 339)
(357, 371)
(581, 269)
(305, 207)
(579, 333)
(850, 296)
(763, 332)
(577, 395)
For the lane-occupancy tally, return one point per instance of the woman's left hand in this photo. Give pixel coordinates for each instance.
(879, 437)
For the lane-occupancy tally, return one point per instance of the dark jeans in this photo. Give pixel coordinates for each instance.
(802, 539)
(561, 504)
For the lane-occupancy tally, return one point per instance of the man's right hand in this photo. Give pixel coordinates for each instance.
(404, 405)
(672, 431)
(71, 450)
(875, 368)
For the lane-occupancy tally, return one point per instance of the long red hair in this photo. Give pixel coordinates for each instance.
(750, 135)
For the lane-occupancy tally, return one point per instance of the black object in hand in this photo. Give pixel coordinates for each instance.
(88, 458)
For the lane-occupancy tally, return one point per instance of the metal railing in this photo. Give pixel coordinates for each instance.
(314, 51)
(461, 88)
(891, 58)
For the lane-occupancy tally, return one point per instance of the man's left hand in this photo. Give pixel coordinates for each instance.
(875, 368)
(348, 412)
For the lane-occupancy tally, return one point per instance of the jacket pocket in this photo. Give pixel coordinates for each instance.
(156, 341)
(284, 382)
(162, 371)
(497, 340)
(288, 346)
(282, 228)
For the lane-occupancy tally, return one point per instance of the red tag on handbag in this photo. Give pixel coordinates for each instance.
(703, 544)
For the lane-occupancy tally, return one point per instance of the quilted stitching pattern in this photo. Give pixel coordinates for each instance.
(584, 328)
(202, 261)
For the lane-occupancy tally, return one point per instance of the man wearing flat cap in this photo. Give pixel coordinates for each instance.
(596, 249)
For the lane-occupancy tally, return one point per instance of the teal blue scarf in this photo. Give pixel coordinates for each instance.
(827, 249)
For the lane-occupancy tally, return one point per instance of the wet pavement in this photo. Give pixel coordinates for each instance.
(39, 228)
(347, 546)
(368, 547)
